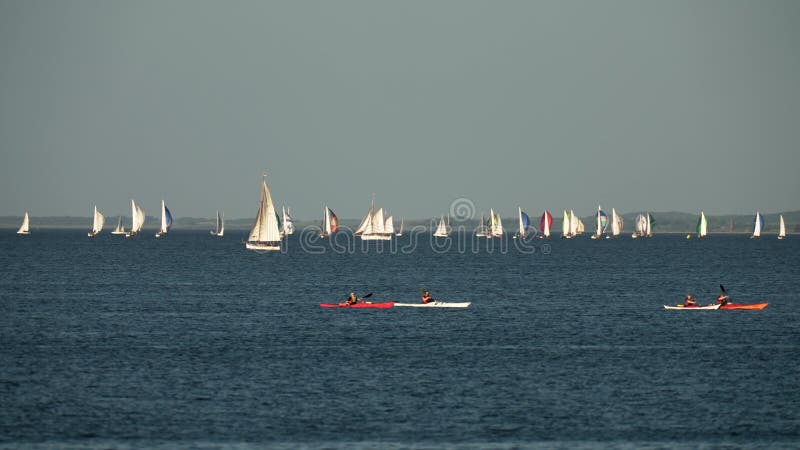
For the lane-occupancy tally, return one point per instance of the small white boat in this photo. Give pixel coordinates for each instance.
(25, 228)
(166, 220)
(288, 223)
(97, 223)
(495, 225)
(400, 233)
(119, 229)
(265, 235)
(781, 228)
(220, 230)
(482, 230)
(689, 308)
(524, 223)
(436, 304)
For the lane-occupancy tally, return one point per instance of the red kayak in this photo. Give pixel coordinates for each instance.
(383, 305)
(743, 306)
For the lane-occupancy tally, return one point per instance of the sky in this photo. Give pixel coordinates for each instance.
(637, 105)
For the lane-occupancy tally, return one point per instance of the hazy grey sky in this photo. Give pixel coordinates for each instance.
(660, 105)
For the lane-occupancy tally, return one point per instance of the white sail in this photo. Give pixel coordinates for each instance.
(573, 223)
(481, 230)
(400, 233)
(326, 222)
(220, 228)
(377, 222)
(599, 227)
(166, 220)
(496, 224)
(648, 231)
(97, 223)
(781, 228)
(441, 230)
(119, 229)
(366, 224)
(702, 225)
(616, 223)
(25, 227)
(565, 225)
(265, 234)
(137, 219)
(388, 226)
(521, 223)
(288, 223)
(757, 225)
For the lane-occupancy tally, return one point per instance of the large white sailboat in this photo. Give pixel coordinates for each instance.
(565, 226)
(25, 228)
(781, 228)
(441, 230)
(137, 219)
(758, 224)
(266, 234)
(220, 229)
(119, 229)
(166, 220)
(524, 223)
(639, 227)
(97, 223)
(288, 223)
(373, 226)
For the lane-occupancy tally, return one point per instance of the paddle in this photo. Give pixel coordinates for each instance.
(367, 296)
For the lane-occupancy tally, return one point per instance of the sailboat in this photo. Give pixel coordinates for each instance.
(137, 219)
(373, 226)
(441, 230)
(97, 223)
(25, 228)
(400, 233)
(602, 223)
(288, 224)
(482, 230)
(574, 224)
(781, 228)
(616, 224)
(166, 220)
(495, 225)
(640, 227)
(758, 224)
(265, 235)
(702, 226)
(545, 223)
(524, 223)
(220, 229)
(565, 228)
(119, 229)
(648, 231)
(330, 223)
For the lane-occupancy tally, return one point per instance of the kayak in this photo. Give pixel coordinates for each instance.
(691, 307)
(744, 306)
(436, 304)
(382, 305)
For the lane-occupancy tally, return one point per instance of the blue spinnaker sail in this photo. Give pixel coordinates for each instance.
(168, 216)
(526, 221)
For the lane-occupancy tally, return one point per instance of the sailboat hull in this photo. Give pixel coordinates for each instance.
(263, 246)
(375, 237)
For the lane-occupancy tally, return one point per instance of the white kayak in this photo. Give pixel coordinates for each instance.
(692, 307)
(435, 305)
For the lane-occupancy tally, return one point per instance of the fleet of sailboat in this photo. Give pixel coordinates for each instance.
(166, 220)
(97, 223)
(265, 234)
(25, 227)
(220, 228)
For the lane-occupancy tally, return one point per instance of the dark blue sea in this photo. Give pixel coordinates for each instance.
(191, 341)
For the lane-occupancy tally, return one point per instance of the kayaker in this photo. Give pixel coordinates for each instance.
(426, 297)
(723, 298)
(690, 300)
(352, 299)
